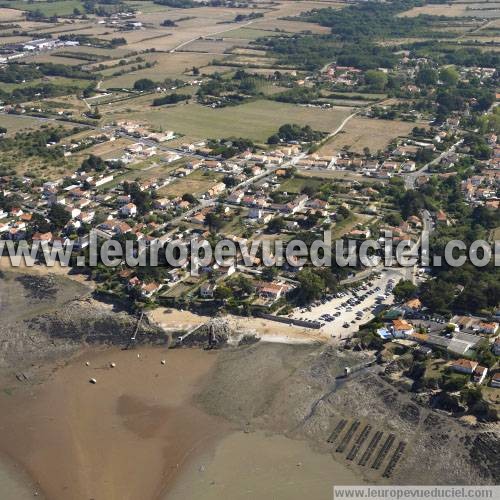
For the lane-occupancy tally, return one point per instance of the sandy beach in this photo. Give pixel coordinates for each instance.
(126, 437)
(268, 331)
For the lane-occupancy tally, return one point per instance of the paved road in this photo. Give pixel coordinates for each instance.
(411, 177)
(428, 226)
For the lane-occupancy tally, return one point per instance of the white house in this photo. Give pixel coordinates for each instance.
(207, 290)
(129, 210)
(402, 329)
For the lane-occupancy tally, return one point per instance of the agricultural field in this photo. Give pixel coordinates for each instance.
(285, 26)
(60, 8)
(174, 66)
(255, 120)
(249, 33)
(215, 46)
(481, 9)
(7, 14)
(365, 132)
(107, 150)
(5, 40)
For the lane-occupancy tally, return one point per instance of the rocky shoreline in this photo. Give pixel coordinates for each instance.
(300, 392)
(48, 318)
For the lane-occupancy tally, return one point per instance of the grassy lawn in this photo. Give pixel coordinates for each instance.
(495, 234)
(344, 226)
(435, 368)
(297, 184)
(197, 183)
(255, 120)
(18, 123)
(366, 132)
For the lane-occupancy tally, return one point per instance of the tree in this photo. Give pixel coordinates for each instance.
(437, 296)
(484, 354)
(343, 213)
(276, 225)
(453, 381)
(377, 80)
(393, 219)
(269, 273)
(404, 290)
(144, 84)
(273, 139)
(213, 221)
(223, 292)
(311, 286)
(471, 395)
(58, 215)
(93, 163)
(426, 76)
(449, 76)
(189, 198)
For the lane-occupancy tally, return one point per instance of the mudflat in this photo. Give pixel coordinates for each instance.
(257, 465)
(125, 437)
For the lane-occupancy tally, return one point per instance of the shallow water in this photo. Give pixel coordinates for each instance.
(255, 465)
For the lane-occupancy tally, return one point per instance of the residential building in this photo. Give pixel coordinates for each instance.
(479, 374)
(464, 366)
(401, 328)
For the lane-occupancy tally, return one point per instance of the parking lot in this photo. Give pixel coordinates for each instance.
(342, 313)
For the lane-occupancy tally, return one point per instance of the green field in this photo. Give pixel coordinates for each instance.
(59, 8)
(196, 183)
(297, 184)
(17, 123)
(255, 120)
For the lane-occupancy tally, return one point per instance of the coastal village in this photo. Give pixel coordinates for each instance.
(136, 181)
